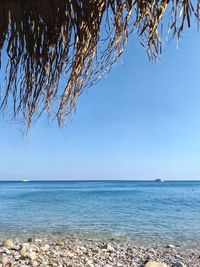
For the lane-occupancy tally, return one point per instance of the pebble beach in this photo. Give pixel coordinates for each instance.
(78, 253)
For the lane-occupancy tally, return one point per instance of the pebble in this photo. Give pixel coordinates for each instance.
(178, 264)
(32, 256)
(170, 246)
(38, 240)
(8, 244)
(3, 259)
(151, 250)
(45, 247)
(25, 247)
(151, 263)
(30, 240)
(110, 248)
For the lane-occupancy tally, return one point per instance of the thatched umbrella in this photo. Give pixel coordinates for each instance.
(76, 42)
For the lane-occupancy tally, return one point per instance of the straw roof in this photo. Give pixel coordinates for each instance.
(56, 48)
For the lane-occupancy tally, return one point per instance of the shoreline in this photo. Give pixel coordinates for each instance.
(139, 240)
(79, 253)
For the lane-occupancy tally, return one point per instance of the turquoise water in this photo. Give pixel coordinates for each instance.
(143, 212)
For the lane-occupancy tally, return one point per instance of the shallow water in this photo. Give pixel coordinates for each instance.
(143, 212)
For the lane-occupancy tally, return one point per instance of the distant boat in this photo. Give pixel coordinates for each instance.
(159, 180)
(25, 180)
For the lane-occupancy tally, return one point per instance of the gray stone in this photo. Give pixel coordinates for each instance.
(30, 240)
(178, 264)
(170, 246)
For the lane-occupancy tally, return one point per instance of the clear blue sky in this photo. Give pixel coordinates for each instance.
(140, 122)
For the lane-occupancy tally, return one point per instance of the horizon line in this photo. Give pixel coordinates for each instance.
(97, 180)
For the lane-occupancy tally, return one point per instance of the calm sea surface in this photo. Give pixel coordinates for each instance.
(143, 212)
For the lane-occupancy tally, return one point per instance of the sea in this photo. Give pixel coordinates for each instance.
(143, 212)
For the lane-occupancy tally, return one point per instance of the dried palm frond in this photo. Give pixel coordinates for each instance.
(50, 42)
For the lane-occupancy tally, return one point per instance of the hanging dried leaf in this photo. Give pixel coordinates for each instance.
(49, 43)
